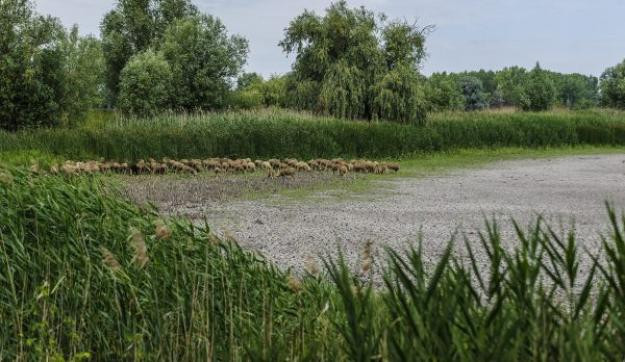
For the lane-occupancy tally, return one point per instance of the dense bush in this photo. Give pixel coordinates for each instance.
(146, 85)
(613, 86)
(88, 275)
(267, 134)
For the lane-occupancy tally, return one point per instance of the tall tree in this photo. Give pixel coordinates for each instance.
(348, 61)
(204, 61)
(443, 93)
(473, 91)
(146, 85)
(510, 81)
(132, 27)
(539, 92)
(612, 85)
(40, 67)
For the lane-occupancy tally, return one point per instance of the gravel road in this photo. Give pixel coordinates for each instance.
(563, 190)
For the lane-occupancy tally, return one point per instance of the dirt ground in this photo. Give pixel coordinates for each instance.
(565, 191)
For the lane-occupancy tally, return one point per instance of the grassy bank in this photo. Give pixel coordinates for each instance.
(85, 274)
(275, 133)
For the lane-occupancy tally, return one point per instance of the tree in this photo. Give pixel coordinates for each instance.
(510, 82)
(399, 96)
(247, 80)
(42, 69)
(612, 86)
(84, 73)
(575, 90)
(347, 63)
(132, 27)
(343, 91)
(443, 93)
(146, 85)
(539, 92)
(473, 92)
(203, 60)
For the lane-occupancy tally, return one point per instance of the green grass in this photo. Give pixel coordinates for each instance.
(85, 274)
(276, 133)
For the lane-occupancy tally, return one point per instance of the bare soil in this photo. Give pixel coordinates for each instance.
(568, 192)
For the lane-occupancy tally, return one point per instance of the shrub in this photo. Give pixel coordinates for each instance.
(146, 85)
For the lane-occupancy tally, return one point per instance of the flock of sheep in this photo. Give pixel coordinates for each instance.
(273, 167)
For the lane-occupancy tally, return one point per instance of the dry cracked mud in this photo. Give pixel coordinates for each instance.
(567, 192)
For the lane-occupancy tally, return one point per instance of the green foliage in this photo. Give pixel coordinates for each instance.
(42, 69)
(511, 82)
(247, 80)
(343, 92)
(146, 85)
(254, 92)
(613, 86)
(539, 91)
(86, 274)
(203, 60)
(348, 63)
(84, 74)
(275, 133)
(399, 97)
(575, 91)
(132, 27)
(473, 93)
(443, 93)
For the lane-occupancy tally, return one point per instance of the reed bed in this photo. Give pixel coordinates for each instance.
(84, 274)
(282, 134)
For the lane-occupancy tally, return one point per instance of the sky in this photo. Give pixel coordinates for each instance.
(582, 36)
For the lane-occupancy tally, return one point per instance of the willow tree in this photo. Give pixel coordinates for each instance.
(349, 61)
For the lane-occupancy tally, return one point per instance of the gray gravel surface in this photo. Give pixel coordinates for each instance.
(565, 191)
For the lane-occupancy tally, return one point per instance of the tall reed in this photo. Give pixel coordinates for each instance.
(84, 274)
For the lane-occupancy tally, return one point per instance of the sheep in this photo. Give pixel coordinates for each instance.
(302, 166)
(251, 166)
(288, 171)
(275, 163)
(393, 166)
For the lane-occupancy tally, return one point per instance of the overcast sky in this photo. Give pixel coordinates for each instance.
(583, 36)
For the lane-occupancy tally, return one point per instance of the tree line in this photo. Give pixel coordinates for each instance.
(158, 55)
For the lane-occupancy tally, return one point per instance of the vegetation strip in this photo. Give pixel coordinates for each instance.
(118, 282)
(282, 134)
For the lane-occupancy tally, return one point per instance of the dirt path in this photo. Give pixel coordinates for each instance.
(561, 189)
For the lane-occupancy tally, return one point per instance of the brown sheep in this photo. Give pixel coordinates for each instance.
(302, 166)
(288, 171)
(393, 166)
